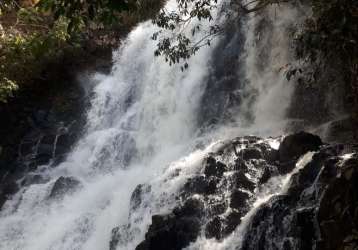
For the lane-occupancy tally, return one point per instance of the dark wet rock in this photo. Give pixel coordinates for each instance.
(330, 167)
(251, 139)
(268, 226)
(240, 164)
(64, 185)
(307, 175)
(119, 235)
(170, 233)
(342, 130)
(201, 185)
(321, 195)
(350, 163)
(269, 154)
(286, 167)
(115, 238)
(222, 93)
(192, 208)
(33, 120)
(337, 214)
(305, 221)
(213, 228)
(251, 153)
(127, 153)
(268, 172)
(33, 179)
(238, 199)
(64, 143)
(137, 195)
(214, 168)
(295, 145)
(216, 208)
(224, 188)
(40, 116)
(44, 153)
(330, 230)
(122, 235)
(334, 150)
(240, 180)
(6, 191)
(175, 230)
(231, 222)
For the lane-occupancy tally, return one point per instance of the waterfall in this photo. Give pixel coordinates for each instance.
(150, 123)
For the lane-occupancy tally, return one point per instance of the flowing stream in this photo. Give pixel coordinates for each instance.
(147, 120)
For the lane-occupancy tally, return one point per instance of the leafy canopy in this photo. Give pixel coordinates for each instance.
(81, 12)
(174, 46)
(178, 44)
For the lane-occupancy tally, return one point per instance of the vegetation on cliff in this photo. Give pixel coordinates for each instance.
(331, 35)
(332, 28)
(328, 37)
(29, 39)
(34, 34)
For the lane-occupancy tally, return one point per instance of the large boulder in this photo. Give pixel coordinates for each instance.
(176, 230)
(214, 168)
(318, 210)
(62, 186)
(201, 185)
(238, 199)
(213, 228)
(295, 145)
(240, 180)
(251, 153)
(267, 173)
(6, 190)
(215, 199)
(338, 210)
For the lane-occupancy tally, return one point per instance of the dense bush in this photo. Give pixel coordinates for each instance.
(36, 32)
(28, 40)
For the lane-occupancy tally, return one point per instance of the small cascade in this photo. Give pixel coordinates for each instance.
(61, 130)
(219, 201)
(41, 146)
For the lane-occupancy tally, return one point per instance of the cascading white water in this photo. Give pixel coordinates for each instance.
(141, 125)
(275, 186)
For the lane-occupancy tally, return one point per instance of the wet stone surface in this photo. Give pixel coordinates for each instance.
(213, 202)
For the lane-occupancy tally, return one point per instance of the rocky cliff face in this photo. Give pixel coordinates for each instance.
(39, 130)
(316, 208)
(44, 120)
(318, 211)
(325, 77)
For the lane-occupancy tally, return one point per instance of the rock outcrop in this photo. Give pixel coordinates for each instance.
(295, 145)
(318, 211)
(320, 201)
(62, 186)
